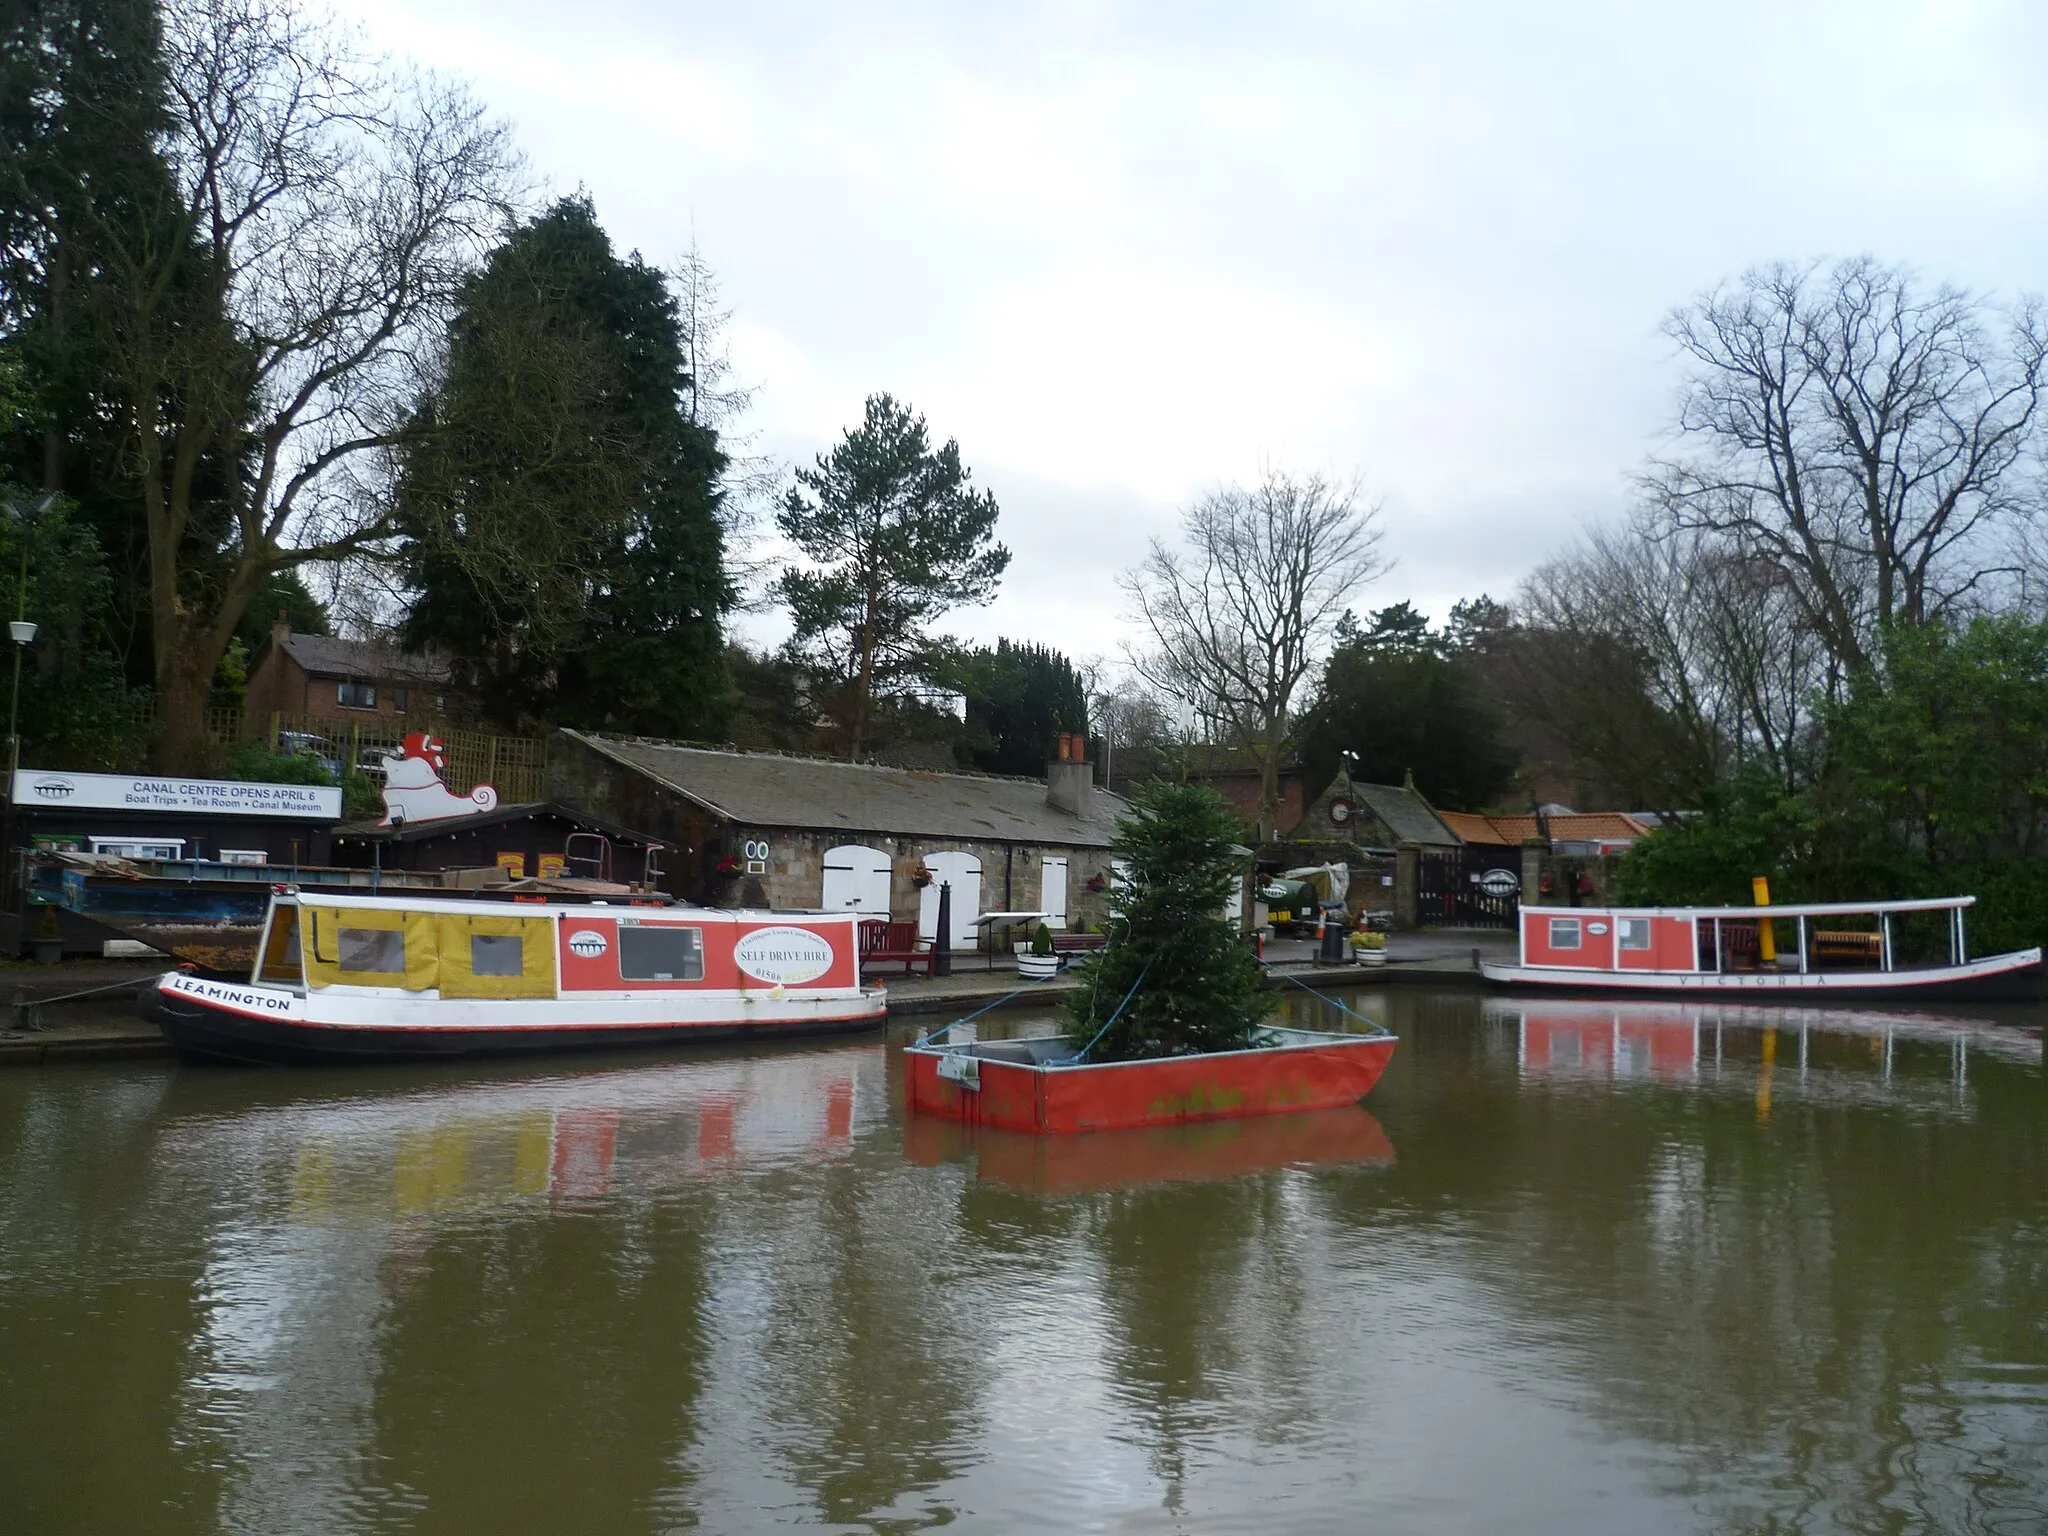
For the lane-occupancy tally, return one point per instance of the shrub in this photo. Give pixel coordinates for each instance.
(1041, 941)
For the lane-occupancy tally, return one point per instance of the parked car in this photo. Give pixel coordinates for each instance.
(318, 748)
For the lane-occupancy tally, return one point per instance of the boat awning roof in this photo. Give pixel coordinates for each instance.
(1789, 909)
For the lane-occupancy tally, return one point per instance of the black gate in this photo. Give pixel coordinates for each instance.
(1476, 887)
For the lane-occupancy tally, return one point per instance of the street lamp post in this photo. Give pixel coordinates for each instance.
(23, 634)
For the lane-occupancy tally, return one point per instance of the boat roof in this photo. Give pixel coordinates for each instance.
(1788, 909)
(414, 901)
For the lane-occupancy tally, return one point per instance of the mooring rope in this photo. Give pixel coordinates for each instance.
(1006, 997)
(1120, 1007)
(1373, 1024)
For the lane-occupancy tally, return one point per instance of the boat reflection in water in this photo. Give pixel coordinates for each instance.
(1196, 1152)
(553, 1139)
(1825, 1052)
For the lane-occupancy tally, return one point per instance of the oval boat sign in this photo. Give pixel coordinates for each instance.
(1596, 928)
(1500, 882)
(588, 943)
(786, 956)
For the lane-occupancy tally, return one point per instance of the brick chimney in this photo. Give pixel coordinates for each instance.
(1070, 777)
(281, 631)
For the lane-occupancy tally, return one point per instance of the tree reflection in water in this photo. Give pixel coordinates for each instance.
(1595, 1289)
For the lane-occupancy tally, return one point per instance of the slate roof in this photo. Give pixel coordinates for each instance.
(369, 660)
(1407, 815)
(764, 789)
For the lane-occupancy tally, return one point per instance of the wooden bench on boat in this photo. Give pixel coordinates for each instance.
(1835, 946)
(885, 943)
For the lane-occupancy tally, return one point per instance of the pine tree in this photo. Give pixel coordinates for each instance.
(1202, 987)
(896, 535)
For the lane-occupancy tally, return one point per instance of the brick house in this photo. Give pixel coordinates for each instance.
(762, 829)
(1235, 775)
(343, 680)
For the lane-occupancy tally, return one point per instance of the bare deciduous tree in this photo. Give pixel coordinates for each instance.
(1658, 658)
(1867, 439)
(752, 481)
(270, 329)
(1236, 618)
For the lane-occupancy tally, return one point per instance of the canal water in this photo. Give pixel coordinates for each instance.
(1576, 1268)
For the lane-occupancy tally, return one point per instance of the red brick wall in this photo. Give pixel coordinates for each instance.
(1242, 791)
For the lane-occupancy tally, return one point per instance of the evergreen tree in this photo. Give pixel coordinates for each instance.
(1397, 698)
(895, 535)
(1020, 698)
(1202, 988)
(558, 441)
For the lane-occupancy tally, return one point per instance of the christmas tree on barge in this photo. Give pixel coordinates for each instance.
(1168, 1020)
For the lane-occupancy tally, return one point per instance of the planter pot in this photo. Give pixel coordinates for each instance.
(1369, 956)
(1037, 967)
(1025, 1085)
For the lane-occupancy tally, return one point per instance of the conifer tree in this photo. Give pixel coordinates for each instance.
(1202, 987)
(895, 535)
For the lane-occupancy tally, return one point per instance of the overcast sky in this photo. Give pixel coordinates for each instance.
(1125, 253)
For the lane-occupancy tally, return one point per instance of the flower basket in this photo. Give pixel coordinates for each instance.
(1037, 967)
(921, 875)
(727, 867)
(1368, 948)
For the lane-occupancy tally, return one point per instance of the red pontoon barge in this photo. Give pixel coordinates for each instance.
(1036, 1085)
(358, 977)
(1844, 950)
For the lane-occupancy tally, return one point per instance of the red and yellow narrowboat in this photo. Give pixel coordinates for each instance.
(356, 977)
(1812, 950)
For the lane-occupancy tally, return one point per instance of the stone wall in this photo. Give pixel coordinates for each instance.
(1011, 873)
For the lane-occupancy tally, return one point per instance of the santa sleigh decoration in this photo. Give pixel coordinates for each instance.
(415, 791)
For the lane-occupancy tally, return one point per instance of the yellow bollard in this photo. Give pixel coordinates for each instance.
(1766, 930)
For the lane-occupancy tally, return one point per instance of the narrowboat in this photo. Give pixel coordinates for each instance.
(358, 977)
(1038, 1085)
(1849, 951)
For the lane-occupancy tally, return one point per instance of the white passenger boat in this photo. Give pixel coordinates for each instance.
(1843, 950)
(357, 977)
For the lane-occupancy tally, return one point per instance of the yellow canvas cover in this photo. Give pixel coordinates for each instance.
(536, 937)
(323, 954)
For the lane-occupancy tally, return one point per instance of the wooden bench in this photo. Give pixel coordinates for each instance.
(1077, 943)
(893, 943)
(1848, 947)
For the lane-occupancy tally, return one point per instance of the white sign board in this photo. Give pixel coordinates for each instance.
(197, 797)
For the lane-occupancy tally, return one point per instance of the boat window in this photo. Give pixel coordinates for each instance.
(379, 951)
(1635, 933)
(496, 954)
(661, 953)
(281, 955)
(1564, 933)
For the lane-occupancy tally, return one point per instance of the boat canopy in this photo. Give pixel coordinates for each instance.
(1789, 909)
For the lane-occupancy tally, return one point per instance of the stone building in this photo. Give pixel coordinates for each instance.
(762, 829)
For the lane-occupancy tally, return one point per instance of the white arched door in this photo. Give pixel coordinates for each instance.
(962, 871)
(856, 880)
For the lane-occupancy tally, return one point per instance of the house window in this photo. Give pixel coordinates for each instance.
(661, 953)
(398, 699)
(1635, 933)
(1564, 933)
(356, 695)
